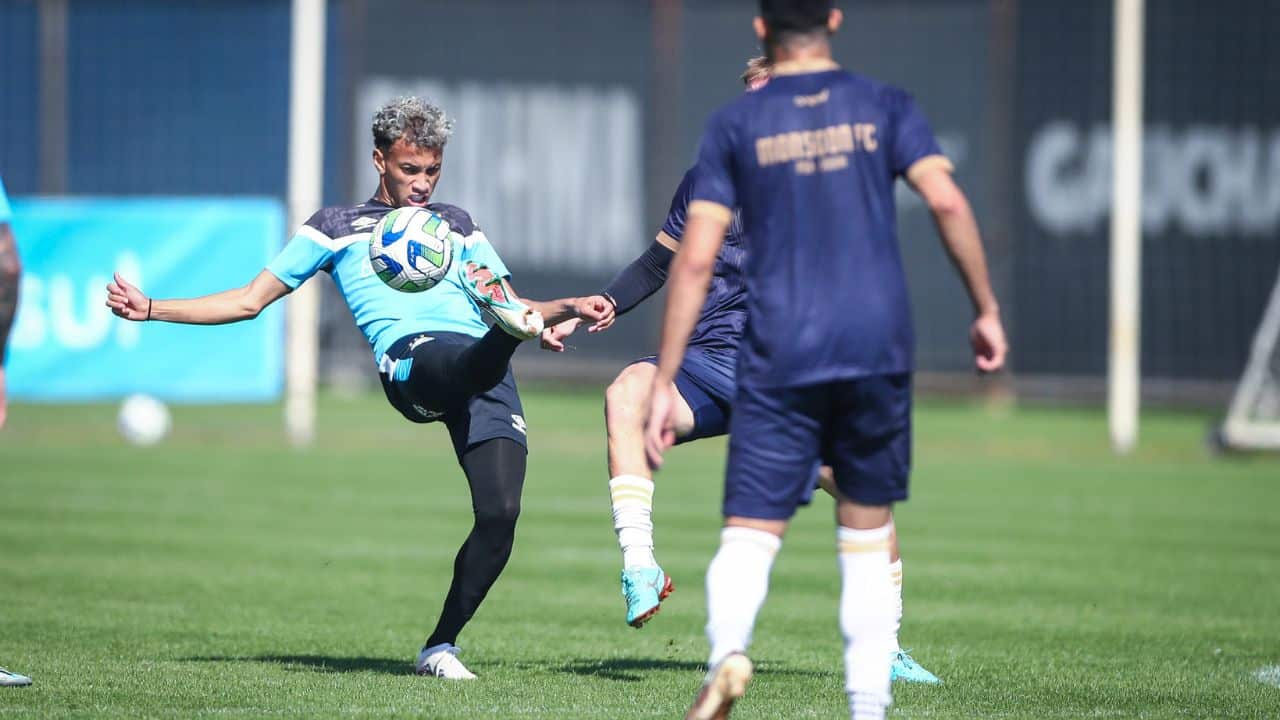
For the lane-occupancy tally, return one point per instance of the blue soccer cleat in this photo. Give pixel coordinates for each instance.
(644, 589)
(905, 668)
(13, 679)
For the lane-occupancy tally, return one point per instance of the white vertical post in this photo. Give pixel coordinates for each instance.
(1124, 384)
(306, 187)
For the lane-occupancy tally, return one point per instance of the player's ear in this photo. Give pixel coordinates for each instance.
(834, 20)
(379, 161)
(762, 31)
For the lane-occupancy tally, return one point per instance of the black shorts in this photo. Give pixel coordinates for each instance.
(471, 419)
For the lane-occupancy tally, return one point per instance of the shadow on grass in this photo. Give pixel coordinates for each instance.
(634, 669)
(319, 663)
(617, 669)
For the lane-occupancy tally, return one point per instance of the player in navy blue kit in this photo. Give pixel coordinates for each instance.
(437, 358)
(705, 389)
(824, 367)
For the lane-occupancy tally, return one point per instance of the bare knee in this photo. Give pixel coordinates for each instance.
(624, 399)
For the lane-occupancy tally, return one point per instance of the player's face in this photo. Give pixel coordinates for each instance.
(408, 173)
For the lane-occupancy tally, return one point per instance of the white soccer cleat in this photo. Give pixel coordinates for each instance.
(442, 661)
(13, 679)
(725, 683)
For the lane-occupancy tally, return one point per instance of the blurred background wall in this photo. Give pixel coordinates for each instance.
(577, 118)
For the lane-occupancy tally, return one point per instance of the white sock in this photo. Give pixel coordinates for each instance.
(737, 582)
(866, 619)
(895, 576)
(632, 498)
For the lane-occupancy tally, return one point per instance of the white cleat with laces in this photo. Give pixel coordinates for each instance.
(442, 661)
(8, 678)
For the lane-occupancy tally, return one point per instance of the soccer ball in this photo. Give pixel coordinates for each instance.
(143, 420)
(411, 249)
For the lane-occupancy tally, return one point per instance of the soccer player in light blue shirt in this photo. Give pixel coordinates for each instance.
(824, 367)
(10, 276)
(437, 358)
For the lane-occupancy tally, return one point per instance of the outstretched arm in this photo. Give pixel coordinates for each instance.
(959, 231)
(554, 312)
(228, 306)
(644, 276)
(633, 285)
(10, 276)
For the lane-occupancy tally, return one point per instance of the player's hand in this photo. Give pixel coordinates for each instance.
(611, 314)
(660, 431)
(553, 337)
(127, 301)
(597, 309)
(986, 335)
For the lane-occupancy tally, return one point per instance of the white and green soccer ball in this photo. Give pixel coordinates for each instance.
(411, 249)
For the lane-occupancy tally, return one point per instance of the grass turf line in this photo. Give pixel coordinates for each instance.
(224, 575)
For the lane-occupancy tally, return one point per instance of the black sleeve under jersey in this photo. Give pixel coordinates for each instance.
(642, 278)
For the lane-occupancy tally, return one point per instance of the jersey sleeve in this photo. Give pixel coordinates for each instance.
(309, 251)
(714, 192)
(913, 143)
(6, 214)
(679, 210)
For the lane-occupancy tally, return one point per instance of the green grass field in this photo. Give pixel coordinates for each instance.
(223, 574)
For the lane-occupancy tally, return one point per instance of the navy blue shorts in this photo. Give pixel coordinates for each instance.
(860, 427)
(471, 419)
(706, 382)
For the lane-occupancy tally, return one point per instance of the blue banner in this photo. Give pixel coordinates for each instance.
(67, 346)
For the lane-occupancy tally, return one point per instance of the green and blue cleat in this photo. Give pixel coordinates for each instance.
(906, 669)
(492, 293)
(644, 589)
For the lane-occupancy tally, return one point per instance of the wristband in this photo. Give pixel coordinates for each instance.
(148, 309)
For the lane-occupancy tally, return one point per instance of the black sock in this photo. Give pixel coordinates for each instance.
(495, 471)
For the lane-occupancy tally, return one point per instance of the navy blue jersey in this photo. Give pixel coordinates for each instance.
(725, 311)
(811, 160)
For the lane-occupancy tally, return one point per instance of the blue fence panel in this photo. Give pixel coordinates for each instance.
(66, 344)
(19, 95)
(178, 98)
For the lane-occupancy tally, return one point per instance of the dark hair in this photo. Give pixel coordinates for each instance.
(789, 18)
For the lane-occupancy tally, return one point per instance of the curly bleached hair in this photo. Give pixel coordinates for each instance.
(417, 121)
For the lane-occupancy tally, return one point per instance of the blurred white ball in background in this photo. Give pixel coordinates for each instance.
(143, 420)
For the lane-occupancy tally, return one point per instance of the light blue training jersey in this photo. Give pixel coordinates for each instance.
(5, 212)
(336, 240)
